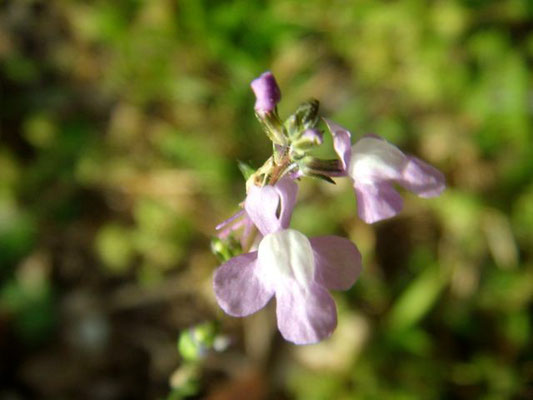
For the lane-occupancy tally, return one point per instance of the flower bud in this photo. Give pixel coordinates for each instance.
(267, 93)
(312, 136)
(308, 139)
(305, 117)
(308, 114)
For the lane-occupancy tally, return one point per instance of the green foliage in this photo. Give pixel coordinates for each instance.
(120, 126)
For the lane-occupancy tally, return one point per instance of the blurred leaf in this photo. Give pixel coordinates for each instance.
(115, 247)
(416, 300)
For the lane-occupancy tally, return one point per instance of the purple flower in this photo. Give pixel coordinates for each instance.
(374, 165)
(296, 270)
(267, 93)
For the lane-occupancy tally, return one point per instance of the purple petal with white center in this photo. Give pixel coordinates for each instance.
(241, 286)
(375, 165)
(288, 255)
(263, 203)
(337, 262)
(421, 178)
(267, 93)
(341, 142)
(377, 201)
(376, 160)
(306, 312)
(305, 315)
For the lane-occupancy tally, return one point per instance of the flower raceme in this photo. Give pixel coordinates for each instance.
(282, 262)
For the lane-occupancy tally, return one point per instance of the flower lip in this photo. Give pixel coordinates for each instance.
(296, 270)
(267, 92)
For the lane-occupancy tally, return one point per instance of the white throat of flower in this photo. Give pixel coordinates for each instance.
(287, 256)
(373, 157)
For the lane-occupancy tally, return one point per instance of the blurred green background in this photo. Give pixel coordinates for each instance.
(120, 126)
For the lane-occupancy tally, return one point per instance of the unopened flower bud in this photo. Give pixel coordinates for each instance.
(307, 140)
(313, 136)
(267, 93)
(308, 113)
(305, 117)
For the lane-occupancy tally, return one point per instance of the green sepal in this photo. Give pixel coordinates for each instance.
(246, 170)
(273, 127)
(322, 177)
(226, 248)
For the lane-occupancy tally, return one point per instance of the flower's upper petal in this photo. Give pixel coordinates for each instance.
(261, 204)
(341, 142)
(337, 262)
(376, 160)
(270, 207)
(287, 190)
(267, 93)
(377, 201)
(305, 315)
(241, 285)
(421, 178)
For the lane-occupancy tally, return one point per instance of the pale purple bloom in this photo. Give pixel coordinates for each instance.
(296, 270)
(267, 93)
(374, 165)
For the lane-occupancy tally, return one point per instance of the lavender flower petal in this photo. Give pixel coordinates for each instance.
(376, 160)
(377, 201)
(305, 315)
(421, 178)
(376, 165)
(306, 312)
(261, 205)
(287, 190)
(337, 262)
(341, 142)
(270, 207)
(240, 287)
